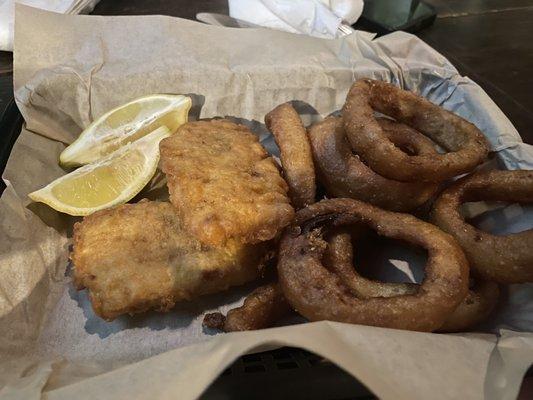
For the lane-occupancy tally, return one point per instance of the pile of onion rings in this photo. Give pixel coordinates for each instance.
(344, 174)
(371, 168)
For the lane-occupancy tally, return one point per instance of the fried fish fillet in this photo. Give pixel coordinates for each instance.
(137, 256)
(224, 184)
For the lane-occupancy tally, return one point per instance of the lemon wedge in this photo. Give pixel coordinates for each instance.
(126, 124)
(113, 180)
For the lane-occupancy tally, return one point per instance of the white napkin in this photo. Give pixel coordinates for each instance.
(7, 12)
(320, 18)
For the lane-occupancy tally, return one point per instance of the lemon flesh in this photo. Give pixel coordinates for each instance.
(113, 180)
(125, 124)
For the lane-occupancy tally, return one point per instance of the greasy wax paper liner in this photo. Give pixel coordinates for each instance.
(71, 69)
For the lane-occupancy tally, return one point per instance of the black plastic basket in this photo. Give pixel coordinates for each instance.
(285, 373)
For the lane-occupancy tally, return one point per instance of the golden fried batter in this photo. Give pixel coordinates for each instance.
(137, 256)
(224, 184)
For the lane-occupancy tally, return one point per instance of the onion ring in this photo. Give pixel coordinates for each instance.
(261, 309)
(339, 259)
(503, 259)
(466, 145)
(266, 304)
(318, 294)
(295, 150)
(345, 175)
(476, 306)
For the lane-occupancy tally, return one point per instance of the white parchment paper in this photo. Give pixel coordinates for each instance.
(71, 69)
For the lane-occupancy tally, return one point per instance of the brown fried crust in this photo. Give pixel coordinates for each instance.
(466, 145)
(136, 257)
(261, 309)
(339, 259)
(344, 174)
(214, 320)
(295, 153)
(503, 259)
(318, 294)
(475, 307)
(267, 304)
(224, 184)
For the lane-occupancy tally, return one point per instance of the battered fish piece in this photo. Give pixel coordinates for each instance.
(137, 257)
(224, 184)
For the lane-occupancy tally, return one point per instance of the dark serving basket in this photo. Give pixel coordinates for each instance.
(285, 373)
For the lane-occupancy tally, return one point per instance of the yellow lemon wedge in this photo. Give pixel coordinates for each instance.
(125, 124)
(112, 180)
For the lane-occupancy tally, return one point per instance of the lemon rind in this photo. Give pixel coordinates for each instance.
(45, 195)
(67, 158)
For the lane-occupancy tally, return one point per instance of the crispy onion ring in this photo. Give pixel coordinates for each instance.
(345, 175)
(475, 307)
(296, 159)
(261, 309)
(503, 259)
(265, 305)
(339, 259)
(319, 294)
(466, 145)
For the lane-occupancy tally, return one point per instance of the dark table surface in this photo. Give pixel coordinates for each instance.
(490, 41)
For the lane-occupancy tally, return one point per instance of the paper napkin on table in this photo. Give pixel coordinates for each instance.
(7, 14)
(320, 18)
